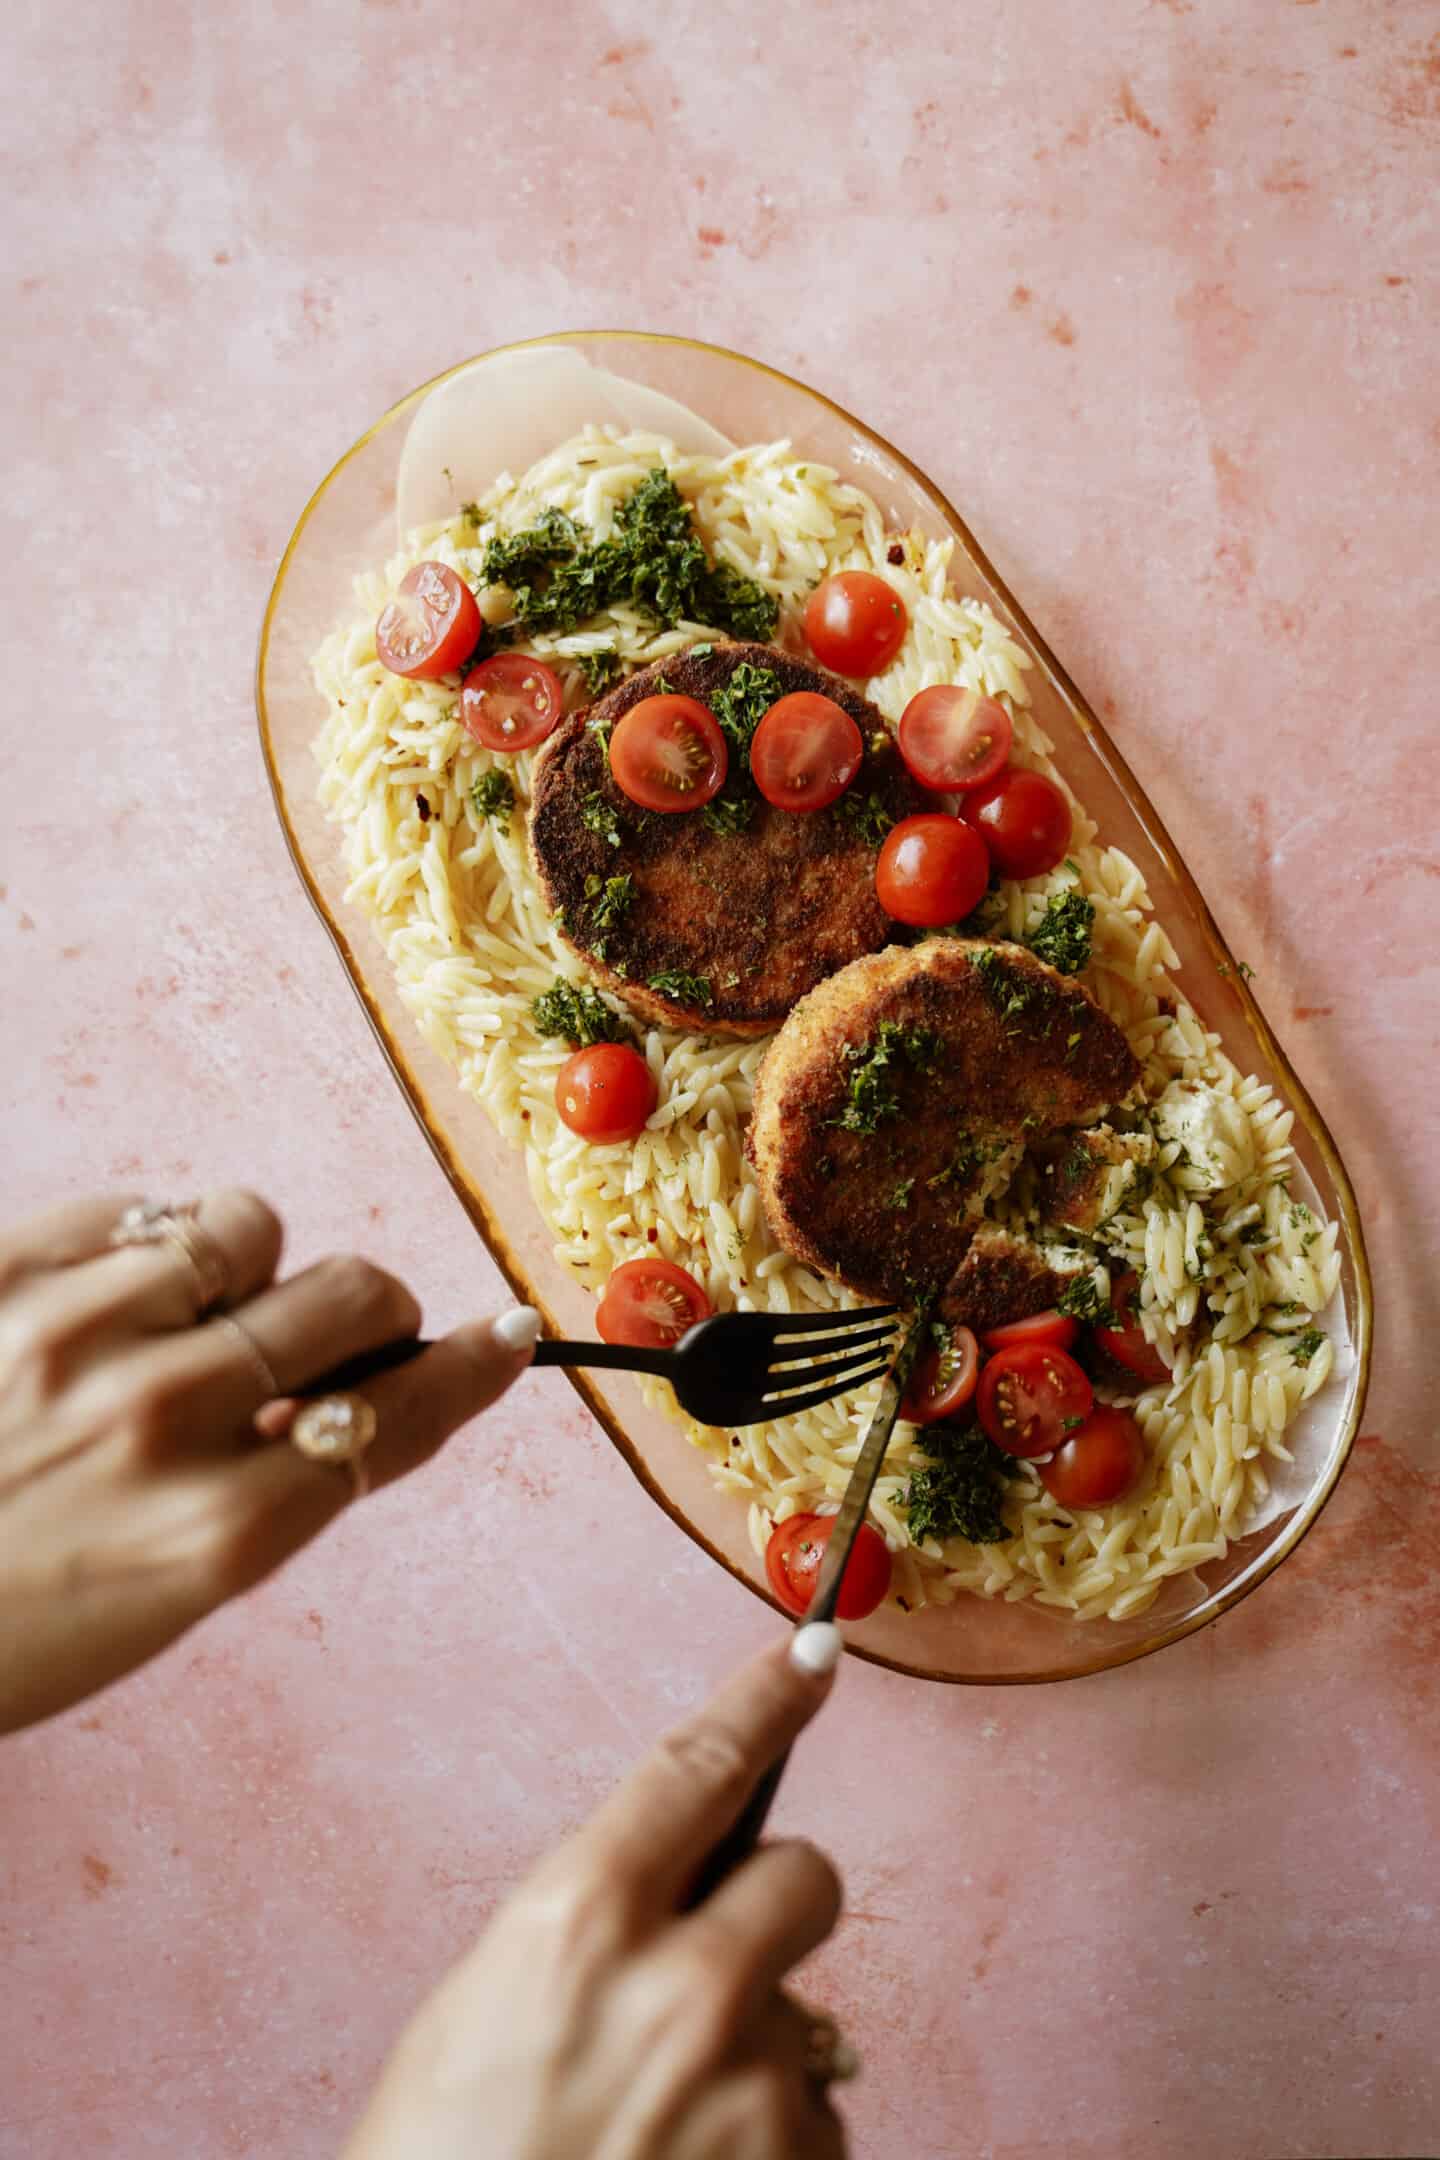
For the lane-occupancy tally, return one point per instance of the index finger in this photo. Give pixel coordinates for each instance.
(652, 1834)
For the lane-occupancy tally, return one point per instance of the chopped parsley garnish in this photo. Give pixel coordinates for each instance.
(728, 813)
(742, 703)
(900, 1193)
(600, 669)
(1305, 1345)
(737, 604)
(865, 816)
(921, 1045)
(1255, 1233)
(965, 1157)
(652, 561)
(684, 989)
(1081, 1299)
(1008, 993)
(493, 796)
(870, 1098)
(958, 1494)
(578, 1015)
(609, 900)
(524, 556)
(599, 816)
(1062, 935)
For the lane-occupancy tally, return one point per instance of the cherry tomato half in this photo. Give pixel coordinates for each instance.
(431, 626)
(855, 623)
(954, 739)
(805, 752)
(1056, 1328)
(1026, 1396)
(931, 870)
(650, 1304)
(605, 1093)
(1128, 1343)
(1098, 1463)
(1024, 821)
(667, 753)
(792, 1562)
(943, 1381)
(511, 701)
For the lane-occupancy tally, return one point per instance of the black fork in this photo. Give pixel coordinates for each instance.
(751, 1368)
(733, 1369)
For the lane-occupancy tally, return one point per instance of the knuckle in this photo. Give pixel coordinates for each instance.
(709, 1755)
(140, 1428)
(35, 1354)
(583, 1920)
(149, 1413)
(364, 1293)
(252, 1216)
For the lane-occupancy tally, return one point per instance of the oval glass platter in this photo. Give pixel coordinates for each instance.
(349, 526)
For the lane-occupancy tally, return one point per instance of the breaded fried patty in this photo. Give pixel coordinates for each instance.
(754, 917)
(899, 1095)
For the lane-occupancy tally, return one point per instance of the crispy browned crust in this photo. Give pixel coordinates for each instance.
(1074, 1176)
(762, 915)
(893, 1211)
(1002, 1278)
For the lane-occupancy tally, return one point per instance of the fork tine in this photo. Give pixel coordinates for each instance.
(812, 1323)
(823, 1346)
(833, 1368)
(778, 1406)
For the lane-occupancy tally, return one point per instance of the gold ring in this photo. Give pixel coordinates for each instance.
(254, 1356)
(337, 1430)
(151, 1222)
(829, 2057)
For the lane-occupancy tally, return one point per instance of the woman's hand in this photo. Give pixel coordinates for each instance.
(596, 2016)
(136, 1490)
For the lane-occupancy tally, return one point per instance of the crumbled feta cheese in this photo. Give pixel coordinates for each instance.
(1206, 1142)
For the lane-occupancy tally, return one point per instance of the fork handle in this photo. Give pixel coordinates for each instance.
(609, 1357)
(613, 1357)
(740, 1840)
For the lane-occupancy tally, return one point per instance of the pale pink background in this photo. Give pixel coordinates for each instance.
(1150, 290)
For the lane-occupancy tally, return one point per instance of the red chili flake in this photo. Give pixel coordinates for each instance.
(424, 809)
(654, 1236)
(895, 552)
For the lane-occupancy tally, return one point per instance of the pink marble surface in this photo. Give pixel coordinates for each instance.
(1151, 290)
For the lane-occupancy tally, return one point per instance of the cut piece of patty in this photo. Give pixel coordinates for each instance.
(1004, 1277)
(759, 915)
(960, 1054)
(1088, 1175)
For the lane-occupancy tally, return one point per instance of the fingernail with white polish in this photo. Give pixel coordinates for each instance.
(817, 1648)
(518, 1329)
